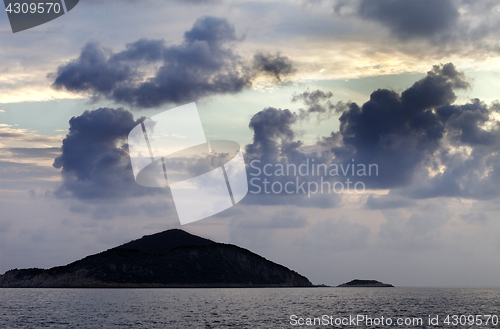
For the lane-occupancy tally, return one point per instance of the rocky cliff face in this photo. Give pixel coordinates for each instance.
(169, 259)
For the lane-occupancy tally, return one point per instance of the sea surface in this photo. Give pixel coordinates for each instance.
(250, 308)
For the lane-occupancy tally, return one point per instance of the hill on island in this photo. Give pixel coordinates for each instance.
(365, 283)
(172, 258)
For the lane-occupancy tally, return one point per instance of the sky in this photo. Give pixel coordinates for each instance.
(409, 88)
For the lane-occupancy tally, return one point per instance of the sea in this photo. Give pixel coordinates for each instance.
(251, 308)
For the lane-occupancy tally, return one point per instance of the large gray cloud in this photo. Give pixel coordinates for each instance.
(468, 163)
(419, 140)
(455, 28)
(317, 102)
(94, 161)
(274, 144)
(276, 66)
(411, 18)
(412, 138)
(273, 132)
(204, 64)
(399, 132)
(396, 132)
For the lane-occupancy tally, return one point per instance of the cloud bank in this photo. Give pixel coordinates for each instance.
(421, 142)
(411, 18)
(423, 145)
(94, 161)
(203, 65)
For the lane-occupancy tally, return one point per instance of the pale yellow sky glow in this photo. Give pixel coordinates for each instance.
(18, 87)
(333, 62)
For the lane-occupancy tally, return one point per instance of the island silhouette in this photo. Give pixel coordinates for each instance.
(364, 283)
(172, 258)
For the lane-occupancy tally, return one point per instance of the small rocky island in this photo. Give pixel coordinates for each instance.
(364, 284)
(172, 258)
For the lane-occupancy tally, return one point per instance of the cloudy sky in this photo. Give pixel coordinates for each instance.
(409, 86)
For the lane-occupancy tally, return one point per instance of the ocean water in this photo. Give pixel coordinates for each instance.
(250, 308)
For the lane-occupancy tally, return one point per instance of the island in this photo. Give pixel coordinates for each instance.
(172, 258)
(364, 284)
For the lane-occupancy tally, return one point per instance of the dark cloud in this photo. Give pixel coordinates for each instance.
(419, 139)
(470, 167)
(274, 144)
(312, 99)
(93, 70)
(395, 132)
(431, 29)
(94, 161)
(465, 123)
(423, 145)
(474, 177)
(436, 89)
(318, 102)
(399, 132)
(203, 65)
(276, 66)
(411, 18)
(273, 132)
